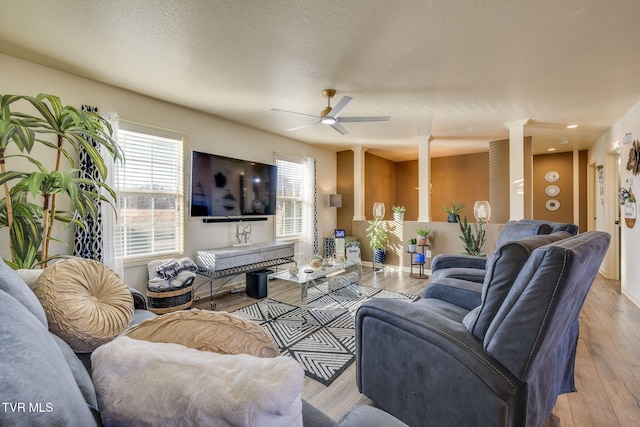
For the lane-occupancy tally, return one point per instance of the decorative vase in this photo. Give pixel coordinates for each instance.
(398, 216)
(453, 218)
(421, 240)
(411, 248)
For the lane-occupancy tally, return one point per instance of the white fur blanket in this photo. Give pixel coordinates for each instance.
(141, 383)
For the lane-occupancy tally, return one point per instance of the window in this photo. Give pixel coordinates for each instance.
(296, 217)
(150, 193)
(290, 202)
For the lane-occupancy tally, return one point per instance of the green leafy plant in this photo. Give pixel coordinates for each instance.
(455, 208)
(412, 241)
(398, 209)
(377, 234)
(423, 231)
(473, 239)
(31, 208)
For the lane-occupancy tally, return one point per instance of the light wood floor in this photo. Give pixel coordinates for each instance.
(607, 366)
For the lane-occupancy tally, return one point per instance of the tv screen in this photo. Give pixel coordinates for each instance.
(223, 186)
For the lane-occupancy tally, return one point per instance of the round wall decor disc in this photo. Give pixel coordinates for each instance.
(552, 190)
(551, 176)
(552, 205)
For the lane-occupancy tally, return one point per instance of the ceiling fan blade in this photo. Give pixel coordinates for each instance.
(340, 106)
(303, 126)
(293, 112)
(337, 126)
(365, 119)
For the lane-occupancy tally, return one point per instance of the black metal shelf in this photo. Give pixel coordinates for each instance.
(420, 274)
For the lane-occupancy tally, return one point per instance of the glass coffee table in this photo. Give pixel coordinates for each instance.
(341, 278)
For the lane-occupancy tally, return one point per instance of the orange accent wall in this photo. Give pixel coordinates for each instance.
(563, 164)
(458, 178)
(379, 184)
(406, 192)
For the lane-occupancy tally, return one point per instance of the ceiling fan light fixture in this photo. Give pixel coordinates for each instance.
(328, 120)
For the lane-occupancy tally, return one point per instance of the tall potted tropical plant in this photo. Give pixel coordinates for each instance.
(30, 207)
(378, 238)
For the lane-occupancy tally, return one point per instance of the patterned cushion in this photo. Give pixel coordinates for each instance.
(215, 331)
(86, 303)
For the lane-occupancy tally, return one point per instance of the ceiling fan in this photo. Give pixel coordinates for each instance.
(331, 116)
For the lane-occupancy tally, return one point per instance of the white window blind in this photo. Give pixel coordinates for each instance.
(290, 202)
(150, 193)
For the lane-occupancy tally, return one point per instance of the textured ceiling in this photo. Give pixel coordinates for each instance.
(456, 70)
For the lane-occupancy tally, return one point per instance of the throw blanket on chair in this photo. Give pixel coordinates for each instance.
(145, 383)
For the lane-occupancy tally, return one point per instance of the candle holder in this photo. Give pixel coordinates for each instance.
(378, 210)
(482, 211)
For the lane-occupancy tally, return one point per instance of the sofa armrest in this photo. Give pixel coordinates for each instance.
(139, 300)
(463, 293)
(413, 359)
(441, 261)
(368, 416)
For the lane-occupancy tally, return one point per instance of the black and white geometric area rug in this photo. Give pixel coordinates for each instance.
(325, 344)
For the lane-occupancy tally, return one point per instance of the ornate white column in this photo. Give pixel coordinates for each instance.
(516, 168)
(358, 183)
(424, 179)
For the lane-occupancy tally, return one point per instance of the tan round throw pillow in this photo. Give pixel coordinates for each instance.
(215, 331)
(86, 303)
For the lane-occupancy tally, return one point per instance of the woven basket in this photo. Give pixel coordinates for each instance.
(161, 302)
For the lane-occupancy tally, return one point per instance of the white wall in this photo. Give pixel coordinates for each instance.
(630, 238)
(203, 133)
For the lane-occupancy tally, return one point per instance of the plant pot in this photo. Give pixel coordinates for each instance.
(453, 218)
(378, 256)
(411, 248)
(421, 240)
(315, 263)
(398, 216)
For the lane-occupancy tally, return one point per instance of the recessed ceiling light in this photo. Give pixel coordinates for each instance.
(564, 141)
(551, 149)
(572, 126)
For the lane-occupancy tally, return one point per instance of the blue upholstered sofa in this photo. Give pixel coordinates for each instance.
(503, 362)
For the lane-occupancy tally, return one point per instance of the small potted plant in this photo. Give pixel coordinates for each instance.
(398, 213)
(421, 234)
(453, 211)
(315, 261)
(411, 246)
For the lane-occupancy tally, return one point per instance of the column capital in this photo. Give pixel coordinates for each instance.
(516, 123)
(359, 149)
(427, 138)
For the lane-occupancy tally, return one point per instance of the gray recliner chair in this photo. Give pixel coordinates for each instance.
(433, 362)
(465, 274)
(472, 268)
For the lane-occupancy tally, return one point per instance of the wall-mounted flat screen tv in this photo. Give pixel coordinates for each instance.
(224, 187)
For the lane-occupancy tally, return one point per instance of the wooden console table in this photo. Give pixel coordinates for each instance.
(233, 260)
